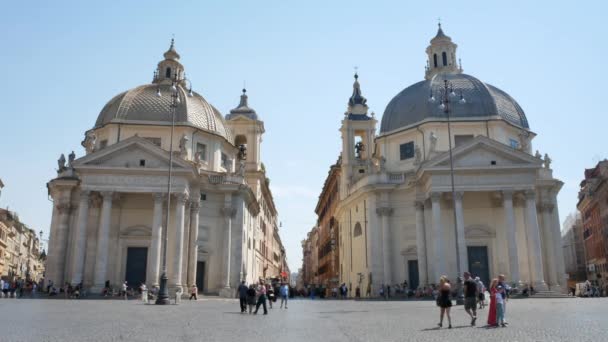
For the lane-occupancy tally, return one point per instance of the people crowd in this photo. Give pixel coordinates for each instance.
(474, 299)
(18, 288)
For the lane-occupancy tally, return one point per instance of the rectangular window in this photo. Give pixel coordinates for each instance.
(461, 139)
(513, 143)
(103, 144)
(155, 141)
(201, 149)
(225, 161)
(406, 151)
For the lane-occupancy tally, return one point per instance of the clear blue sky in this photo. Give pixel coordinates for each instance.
(62, 61)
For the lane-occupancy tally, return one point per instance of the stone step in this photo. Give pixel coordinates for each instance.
(549, 294)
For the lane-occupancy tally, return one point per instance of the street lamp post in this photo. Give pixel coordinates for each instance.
(446, 92)
(163, 292)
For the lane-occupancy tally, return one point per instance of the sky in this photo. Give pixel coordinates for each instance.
(62, 61)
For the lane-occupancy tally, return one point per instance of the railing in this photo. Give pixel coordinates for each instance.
(226, 179)
(396, 177)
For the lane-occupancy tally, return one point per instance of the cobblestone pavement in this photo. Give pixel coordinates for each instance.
(216, 319)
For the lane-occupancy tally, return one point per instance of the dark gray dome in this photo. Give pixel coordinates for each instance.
(482, 100)
(143, 105)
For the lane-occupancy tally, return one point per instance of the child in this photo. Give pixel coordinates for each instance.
(500, 306)
(251, 300)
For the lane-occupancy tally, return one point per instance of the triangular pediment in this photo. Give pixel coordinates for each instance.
(482, 152)
(134, 152)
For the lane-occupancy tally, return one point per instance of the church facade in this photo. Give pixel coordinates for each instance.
(398, 216)
(109, 220)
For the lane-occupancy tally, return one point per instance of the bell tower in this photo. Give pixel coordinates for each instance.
(358, 133)
(441, 56)
(248, 131)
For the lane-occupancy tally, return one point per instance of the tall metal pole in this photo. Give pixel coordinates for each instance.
(163, 293)
(446, 110)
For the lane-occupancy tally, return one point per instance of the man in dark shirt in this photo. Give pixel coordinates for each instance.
(243, 296)
(470, 297)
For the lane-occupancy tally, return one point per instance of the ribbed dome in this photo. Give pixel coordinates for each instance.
(413, 104)
(142, 105)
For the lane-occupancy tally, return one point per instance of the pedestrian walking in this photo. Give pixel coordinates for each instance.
(470, 297)
(243, 296)
(251, 300)
(284, 294)
(444, 301)
(261, 292)
(271, 295)
(492, 307)
(193, 292)
(124, 290)
(481, 289)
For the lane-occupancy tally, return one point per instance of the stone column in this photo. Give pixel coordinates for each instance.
(156, 241)
(228, 213)
(178, 252)
(548, 244)
(439, 258)
(103, 237)
(534, 246)
(507, 199)
(81, 238)
(421, 244)
(557, 241)
(384, 213)
(193, 250)
(460, 239)
(61, 245)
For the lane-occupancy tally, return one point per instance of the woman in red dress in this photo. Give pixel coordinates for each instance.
(492, 310)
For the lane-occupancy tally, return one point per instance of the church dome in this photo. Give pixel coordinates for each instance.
(421, 100)
(470, 98)
(143, 105)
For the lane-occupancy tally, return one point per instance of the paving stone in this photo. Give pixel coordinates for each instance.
(211, 319)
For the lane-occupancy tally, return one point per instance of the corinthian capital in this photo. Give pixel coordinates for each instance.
(64, 208)
(195, 204)
(228, 211)
(181, 198)
(384, 211)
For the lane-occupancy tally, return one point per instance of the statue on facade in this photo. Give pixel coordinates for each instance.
(523, 141)
(433, 139)
(242, 152)
(61, 163)
(71, 158)
(547, 161)
(538, 155)
(359, 148)
(182, 145)
(418, 155)
(89, 142)
(241, 170)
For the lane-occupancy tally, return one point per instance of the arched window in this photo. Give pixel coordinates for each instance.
(358, 231)
(435, 59)
(444, 56)
(168, 73)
